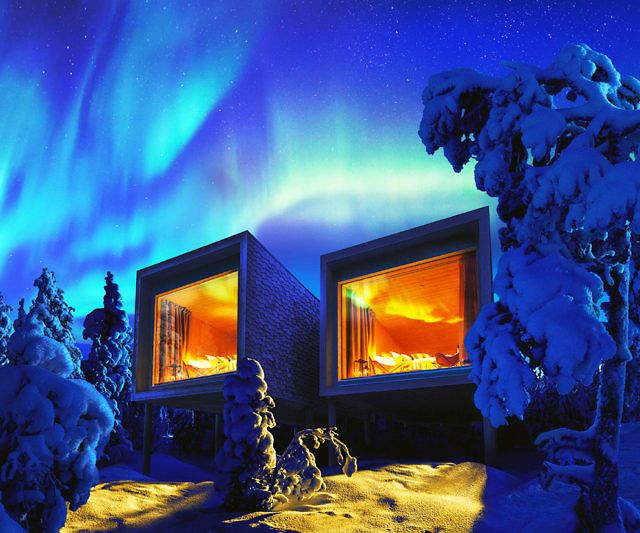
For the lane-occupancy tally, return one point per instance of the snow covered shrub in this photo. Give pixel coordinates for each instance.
(51, 430)
(108, 366)
(296, 473)
(6, 329)
(632, 384)
(7, 524)
(247, 458)
(249, 475)
(558, 147)
(19, 321)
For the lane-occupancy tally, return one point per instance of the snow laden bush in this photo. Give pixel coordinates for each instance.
(558, 148)
(296, 473)
(51, 429)
(249, 475)
(247, 458)
(108, 366)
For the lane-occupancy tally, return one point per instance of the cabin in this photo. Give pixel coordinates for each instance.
(199, 312)
(394, 315)
(386, 336)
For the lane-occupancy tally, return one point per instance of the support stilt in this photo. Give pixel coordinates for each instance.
(489, 435)
(147, 440)
(217, 433)
(367, 429)
(331, 422)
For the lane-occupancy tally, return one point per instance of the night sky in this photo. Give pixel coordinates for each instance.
(131, 132)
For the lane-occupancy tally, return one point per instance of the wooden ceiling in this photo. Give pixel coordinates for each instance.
(418, 305)
(214, 301)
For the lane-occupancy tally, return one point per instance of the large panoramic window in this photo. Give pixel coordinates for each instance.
(413, 317)
(196, 329)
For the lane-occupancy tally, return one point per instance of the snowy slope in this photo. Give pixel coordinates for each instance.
(399, 497)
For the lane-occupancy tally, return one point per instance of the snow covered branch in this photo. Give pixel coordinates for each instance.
(296, 473)
(570, 453)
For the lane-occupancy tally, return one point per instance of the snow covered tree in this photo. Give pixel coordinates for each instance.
(30, 345)
(52, 429)
(6, 329)
(247, 458)
(249, 475)
(58, 318)
(19, 321)
(108, 366)
(558, 147)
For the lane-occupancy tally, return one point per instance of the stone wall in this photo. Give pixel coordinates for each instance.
(282, 327)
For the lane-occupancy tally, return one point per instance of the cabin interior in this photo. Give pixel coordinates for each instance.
(409, 318)
(196, 329)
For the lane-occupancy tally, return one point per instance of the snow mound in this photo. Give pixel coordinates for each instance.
(51, 430)
(399, 497)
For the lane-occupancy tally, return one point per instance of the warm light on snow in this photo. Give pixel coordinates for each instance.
(391, 498)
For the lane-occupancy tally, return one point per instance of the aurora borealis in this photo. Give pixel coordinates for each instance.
(133, 131)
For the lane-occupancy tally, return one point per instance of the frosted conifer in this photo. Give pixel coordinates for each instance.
(558, 147)
(51, 428)
(108, 366)
(247, 458)
(57, 316)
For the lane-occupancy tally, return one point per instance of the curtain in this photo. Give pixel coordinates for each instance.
(468, 295)
(360, 337)
(174, 337)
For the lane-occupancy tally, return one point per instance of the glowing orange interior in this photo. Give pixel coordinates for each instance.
(409, 318)
(196, 329)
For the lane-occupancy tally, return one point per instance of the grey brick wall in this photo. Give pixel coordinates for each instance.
(282, 327)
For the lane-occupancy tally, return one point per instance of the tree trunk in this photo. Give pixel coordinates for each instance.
(599, 503)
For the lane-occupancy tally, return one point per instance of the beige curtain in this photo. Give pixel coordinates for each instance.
(174, 338)
(360, 337)
(468, 294)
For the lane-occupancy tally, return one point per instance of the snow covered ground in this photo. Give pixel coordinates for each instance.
(396, 497)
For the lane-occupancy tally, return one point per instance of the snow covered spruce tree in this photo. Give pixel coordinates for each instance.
(108, 366)
(51, 428)
(558, 147)
(6, 329)
(58, 318)
(247, 458)
(249, 475)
